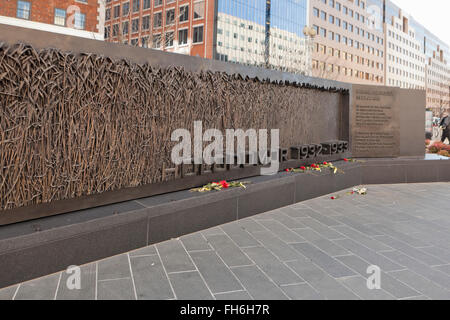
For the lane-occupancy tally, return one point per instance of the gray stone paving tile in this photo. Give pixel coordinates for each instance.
(410, 251)
(296, 212)
(302, 291)
(174, 257)
(87, 282)
(327, 263)
(239, 235)
(121, 289)
(287, 221)
(39, 289)
(250, 225)
(421, 285)
(195, 242)
(272, 266)
(116, 267)
(388, 283)
(281, 231)
(327, 286)
(420, 268)
(212, 231)
(329, 222)
(216, 274)
(362, 238)
(322, 243)
(146, 251)
(257, 284)
(228, 251)
(385, 230)
(279, 248)
(189, 286)
(231, 296)
(369, 231)
(371, 256)
(358, 284)
(150, 278)
(320, 228)
(444, 269)
(8, 293)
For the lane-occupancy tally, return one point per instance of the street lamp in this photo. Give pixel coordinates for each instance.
(310, 34)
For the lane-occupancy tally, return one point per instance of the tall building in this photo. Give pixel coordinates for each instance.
(348, 47)
(426, 68)
(405, 59)
(262, 33)
(181, 26)
(82, 18)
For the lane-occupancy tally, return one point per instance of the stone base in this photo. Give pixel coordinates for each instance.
(35, 248)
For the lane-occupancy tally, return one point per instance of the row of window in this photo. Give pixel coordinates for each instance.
(158, 40)
(183, 14)
(60, 15)
(404, 84)
(398, 37)
(405, 52)
(346, 26)
(403, 62)
(332, 52)
(405, 74)
(331, 68)
(348, 41)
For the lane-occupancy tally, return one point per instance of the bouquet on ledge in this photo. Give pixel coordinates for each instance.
(221, 185)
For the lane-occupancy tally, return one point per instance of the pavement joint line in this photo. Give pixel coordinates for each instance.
(412, 297)
(292, 284)
(165, 272)
(17, 290)
(132, 277)
(96, 281)
(115, 279)
(184, 271)
(205, 250)
(234, 291)
(144, 255)
(199, 273)
(57, 286)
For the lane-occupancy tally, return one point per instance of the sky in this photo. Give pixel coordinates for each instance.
(432, 14)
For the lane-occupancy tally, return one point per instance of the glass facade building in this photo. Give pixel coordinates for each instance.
(262, 32)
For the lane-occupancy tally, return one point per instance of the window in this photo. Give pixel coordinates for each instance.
(156, 41)
(23, 9)
(116, 11)
(170, 16)
(135, 25)
(199, 10)
(144, 42)
(134, 42)
(198, 34)
(125, 9)
(169, 38)
(108, 14)
(125, 28)
(158, 3)
(184, 13)
(80, 21)
(146, 5)
(136, 4)
(60, 17)
(145, 22)
(115, 30)
(157, 20)
(316, 12)
(107, 32)
(183, 37)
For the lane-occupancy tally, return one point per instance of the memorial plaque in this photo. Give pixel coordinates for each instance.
(375, 122)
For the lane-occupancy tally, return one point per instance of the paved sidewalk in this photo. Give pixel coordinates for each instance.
(319, 249)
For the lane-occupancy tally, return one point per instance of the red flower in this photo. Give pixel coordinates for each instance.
(325, 163)
(287, 170)
(224, 184)
(346, 160)
(313, 165)
(302, 168)
(333, 198)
